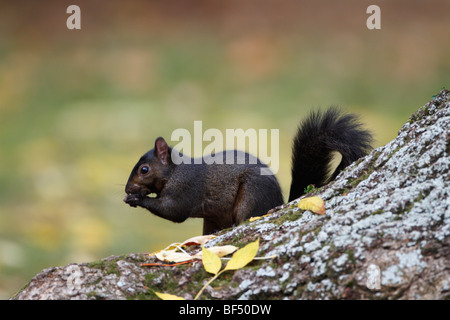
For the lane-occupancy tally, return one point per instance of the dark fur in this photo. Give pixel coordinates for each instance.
(227, 194)
(319, 135)
(222, 194)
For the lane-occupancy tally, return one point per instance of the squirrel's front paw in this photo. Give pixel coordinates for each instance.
(133, 200)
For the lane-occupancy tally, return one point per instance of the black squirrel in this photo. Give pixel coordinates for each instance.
(225, 195)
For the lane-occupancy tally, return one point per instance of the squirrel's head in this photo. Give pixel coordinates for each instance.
(150, 173)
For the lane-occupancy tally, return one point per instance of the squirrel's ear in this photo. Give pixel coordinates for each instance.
(162, 150)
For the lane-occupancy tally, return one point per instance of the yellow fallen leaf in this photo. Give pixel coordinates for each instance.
(219, 251)
(223, 250)
(314, 204)
(167, 296)
(243, 256)
(211, 262)
(259, 217)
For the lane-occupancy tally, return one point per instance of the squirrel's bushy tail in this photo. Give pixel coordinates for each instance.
(326, 142)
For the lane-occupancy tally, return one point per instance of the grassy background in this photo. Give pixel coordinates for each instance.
(78, 108)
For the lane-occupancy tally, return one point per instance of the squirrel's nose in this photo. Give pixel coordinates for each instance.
(132, 188)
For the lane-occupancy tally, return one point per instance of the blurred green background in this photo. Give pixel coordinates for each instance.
(79, 107)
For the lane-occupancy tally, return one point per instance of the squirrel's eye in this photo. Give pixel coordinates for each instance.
(145, 169)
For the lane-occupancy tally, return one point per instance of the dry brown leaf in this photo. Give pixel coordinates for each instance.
(194, 241)
(199, 240)
(173, 256)
(220, 251)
